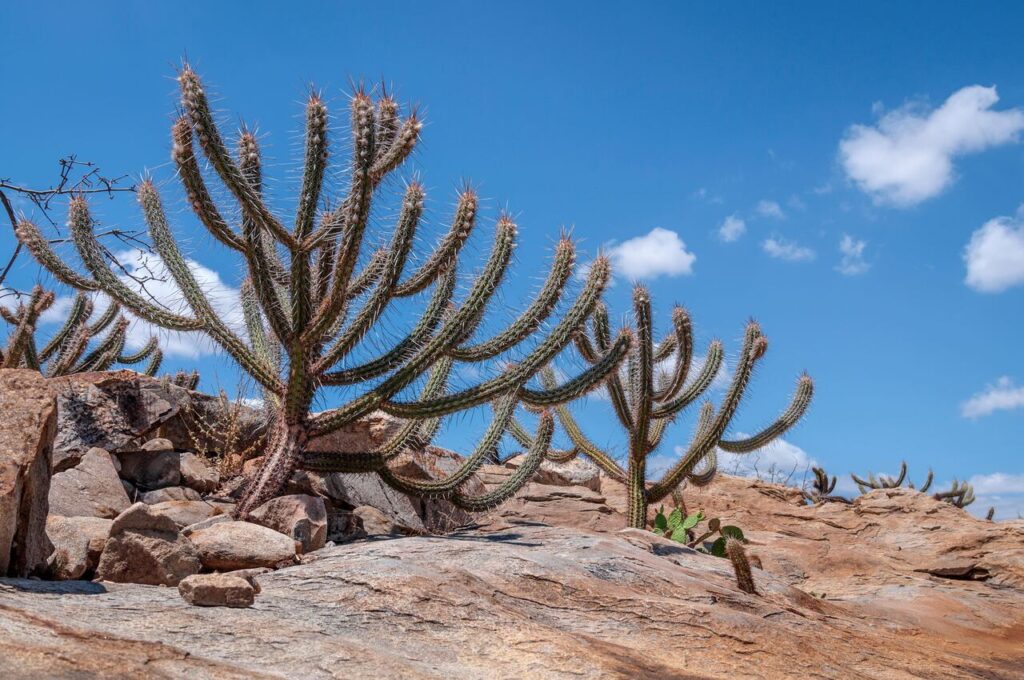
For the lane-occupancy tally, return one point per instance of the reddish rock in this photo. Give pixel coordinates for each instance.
(226, 546)
(217, 590)
(89, 489)
(144, 547)
(300, 516)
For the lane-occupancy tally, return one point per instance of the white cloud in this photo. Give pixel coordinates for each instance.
(779, 461)
(997, 483)
(732, 228)
(58, 311)
(908, 157)
(787, 250)
(1003, 395)
(658, 253)
(995, 255)
(161, 287)
(852, 261)
(999, 490)
(770, 209)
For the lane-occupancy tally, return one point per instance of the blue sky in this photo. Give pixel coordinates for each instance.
(852, 176)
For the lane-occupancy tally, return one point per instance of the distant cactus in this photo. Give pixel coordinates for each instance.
(886, 482)
(960, 494)
(647, 401)
(186, 379)
(65, 353)
(991, 514)
(308, 307)
(822, 488)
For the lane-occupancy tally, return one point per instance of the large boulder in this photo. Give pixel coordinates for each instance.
(144, 547)
(113, 410)
(70, 557)
(197, 474)
(300, 516)
(89, 489)
(27, 428)
(579, 471)
(97, 531)
(224, 546)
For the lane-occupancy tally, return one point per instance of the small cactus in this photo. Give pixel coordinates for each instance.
(887, 482)
(741, 565)
(822, 488)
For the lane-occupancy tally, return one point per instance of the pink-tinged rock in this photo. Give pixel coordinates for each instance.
(70, 557)
(197, 474)
(27, 429)
(144, 547)
(226, 546)
(300, 516)
(89, 489)
(217, 590)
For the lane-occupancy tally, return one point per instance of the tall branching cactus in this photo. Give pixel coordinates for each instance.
(65, 353)
(646, 401)
(302, 297)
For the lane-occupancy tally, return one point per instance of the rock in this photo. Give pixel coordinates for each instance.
(110, 410)
(519, 601)
(217, 590)
(251, 575)
(242, 545)
(185, 513)
(373, 522)
(343, 526)
(300, 516)
(70, 557)
(216, 519)
(171, 493)
(28, 418)
(89, 489)
(155, 466)
(579, 471)
(197, 474)
(410, 514)
(97, 531)
(365, 434)
(144, 547)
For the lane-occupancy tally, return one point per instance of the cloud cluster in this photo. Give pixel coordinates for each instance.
(160, 286)
(660, 252)
(852, 261)
(995, 255)
(770, 209)
(908, 156)
(789, 251)
(732, 228)
(1003, 395)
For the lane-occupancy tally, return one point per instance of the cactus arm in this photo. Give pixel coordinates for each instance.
(398, 150)
(92, 256)
(585, 346)
(199, 198)
(643, 378)
(518, 479)
(797, 407)
(382, 295)
(534, 315)
(754, 346)
(39, 301)
(314, 165)
(196, 106)
(927, 482)
(485, 448)
(741, 565)
(144, 353)
(370, 274)
(107, 351)
(113, 311)
(587, 447)
(30, 236)
(583, 383)
(31, 355)
(387, 123)
(164, 242)
(700, 384)
(443, 256)
(406, 347)
(155, 359)
(560, 336)
(79, 312)
(69, 352)
(616, 391)
(683, 342)
(902, 476)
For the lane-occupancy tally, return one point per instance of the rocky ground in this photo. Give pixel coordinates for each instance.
(123, 530)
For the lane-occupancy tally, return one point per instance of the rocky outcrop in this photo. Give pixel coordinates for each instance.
(91, 488)
(302, 517)
(217, 590)
(27, 430)
(225, 546)
(197, 474)
(154, 466)
(70, 556)
(145, 547)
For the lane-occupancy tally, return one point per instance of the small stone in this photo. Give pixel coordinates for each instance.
(70, 557)
(217, 590)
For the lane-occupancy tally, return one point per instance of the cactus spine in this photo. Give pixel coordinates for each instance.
(646, 403)
(65, 353)
(308, 304)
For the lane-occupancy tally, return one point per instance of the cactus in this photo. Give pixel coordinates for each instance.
(823, 486)
(646, 404)
(991, 514)
(887, 482)
(308, 306)
(65, 353)
(960, 494)
(186, 379)
(741, 565)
